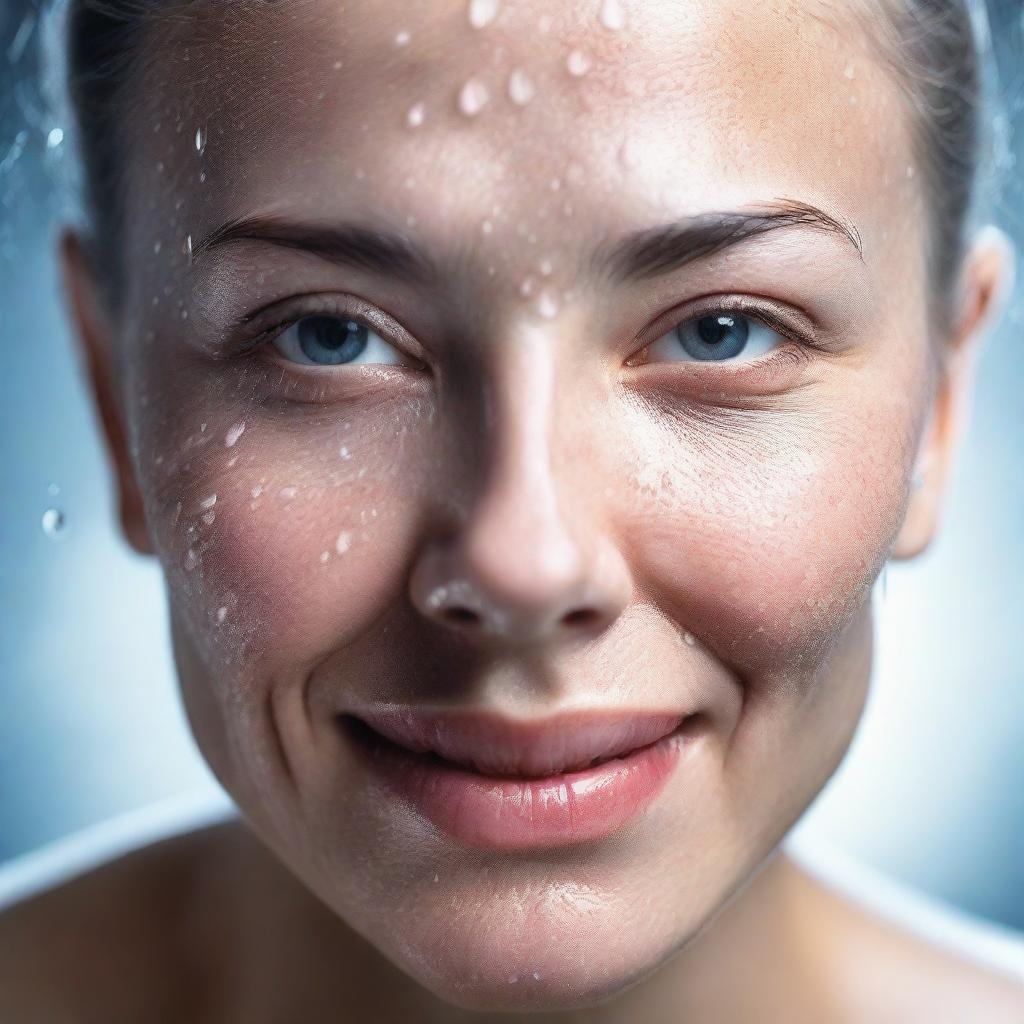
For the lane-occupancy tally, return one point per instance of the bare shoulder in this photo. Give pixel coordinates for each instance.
(116, 941)
(898, 967)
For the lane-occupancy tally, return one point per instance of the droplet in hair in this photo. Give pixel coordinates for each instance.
(613, 16)
(520, 87)
(54, 523)
(201, 140)
(578, 63)
(416, 115)
(482, 12)
(55, 138)
(473, 97)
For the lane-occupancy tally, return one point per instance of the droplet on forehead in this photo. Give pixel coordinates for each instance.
(578, 63)
(416, 115)
(613, 17)
(473, 97)
(482, 12)
(520, 87)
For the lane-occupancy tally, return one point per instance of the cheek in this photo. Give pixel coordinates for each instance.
(766, 536)
(280, 544)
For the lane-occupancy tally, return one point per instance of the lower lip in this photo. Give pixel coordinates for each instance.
(506, 813)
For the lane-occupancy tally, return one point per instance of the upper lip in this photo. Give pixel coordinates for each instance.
(495, 744)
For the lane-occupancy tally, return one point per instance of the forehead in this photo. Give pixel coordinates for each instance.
(447, 114)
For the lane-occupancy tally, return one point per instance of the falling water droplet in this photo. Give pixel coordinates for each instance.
(547, 304)
(520, 87)
(483, 12)
(416, 115)
(55, 138)
(402, 37)
(54, 523)
(613, 17)
(200, 140)
(578, 63)
(473, 97)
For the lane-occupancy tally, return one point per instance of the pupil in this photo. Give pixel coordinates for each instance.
(330, 340)
(713, 329)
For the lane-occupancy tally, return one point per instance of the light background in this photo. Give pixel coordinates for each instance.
(932, 790)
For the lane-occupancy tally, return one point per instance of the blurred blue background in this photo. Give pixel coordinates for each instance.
(932, 791)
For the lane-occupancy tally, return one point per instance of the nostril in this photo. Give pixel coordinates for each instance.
(464, 616)
(580, 617)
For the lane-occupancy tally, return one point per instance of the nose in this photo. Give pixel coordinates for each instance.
(524, 563)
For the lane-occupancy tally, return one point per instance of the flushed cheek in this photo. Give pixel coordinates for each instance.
(766, 558)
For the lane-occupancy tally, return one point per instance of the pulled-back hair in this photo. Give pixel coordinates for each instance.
(932, 44)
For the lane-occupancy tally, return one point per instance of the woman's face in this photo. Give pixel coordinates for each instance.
(566, 363)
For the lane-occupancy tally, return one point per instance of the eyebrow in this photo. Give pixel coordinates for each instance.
(383, 252)
(668, 247)
(640, 255)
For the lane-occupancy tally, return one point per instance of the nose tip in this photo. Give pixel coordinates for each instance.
(568, 598)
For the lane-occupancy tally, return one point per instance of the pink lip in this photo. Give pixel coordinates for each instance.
(504, 784)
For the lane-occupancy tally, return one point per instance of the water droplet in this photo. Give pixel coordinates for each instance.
(520, 88)
(343, 543)
(222, 614)
(613, 17)
(257, 490)
(208, 502)
(187, 248)
(157, 246)
(325, 556)
(487, 227)
(191, 560)
(483, 12)
(536, 975)
(53, 490)
(344, 452)
(55, 138)
(200, 140)
(232, 436)
(436, 879)
(689, 638)
(546, 267)
(547, 304)
(209, 517)
(402, 37)
(473, 97)
(54, 523)
(528, 287)
(338, 65)
(416, 115)
(910, 170)
(578, 63)
(849, 71)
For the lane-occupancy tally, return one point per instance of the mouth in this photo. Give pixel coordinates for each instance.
(499, 783)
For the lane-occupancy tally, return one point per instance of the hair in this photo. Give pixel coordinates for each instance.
(932, 45)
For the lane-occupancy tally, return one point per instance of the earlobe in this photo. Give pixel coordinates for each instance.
(94, 333)
(986, 281)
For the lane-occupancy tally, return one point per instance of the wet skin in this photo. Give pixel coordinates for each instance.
(526, 495)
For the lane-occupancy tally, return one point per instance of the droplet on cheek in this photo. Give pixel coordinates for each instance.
(473, 97)
(416, 115)
(482, 12)
(520, 88)
(613, 17)
(578, 63)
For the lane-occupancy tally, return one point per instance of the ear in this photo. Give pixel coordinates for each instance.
(986, 280)
(95, 334)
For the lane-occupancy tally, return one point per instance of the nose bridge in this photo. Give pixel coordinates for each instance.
(525, 563)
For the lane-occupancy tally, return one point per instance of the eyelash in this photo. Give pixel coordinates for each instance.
(797, 353)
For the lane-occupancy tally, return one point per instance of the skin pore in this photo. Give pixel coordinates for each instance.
(523, 213)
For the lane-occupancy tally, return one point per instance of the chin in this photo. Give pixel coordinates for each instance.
(564, 956)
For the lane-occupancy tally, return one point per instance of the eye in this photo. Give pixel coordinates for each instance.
(333, 341)
(718, 337)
